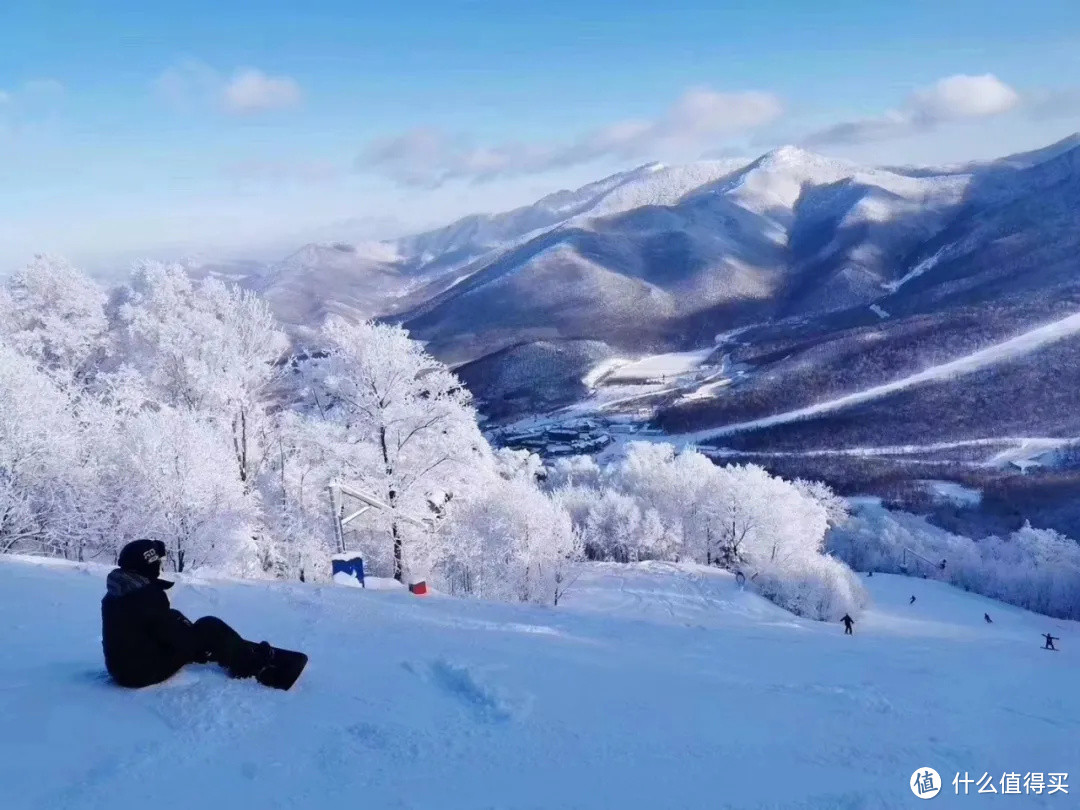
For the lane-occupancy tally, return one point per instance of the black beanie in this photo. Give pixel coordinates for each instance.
(142, 557)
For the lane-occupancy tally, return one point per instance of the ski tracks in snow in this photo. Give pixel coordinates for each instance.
(1018, 346)
(484, 701)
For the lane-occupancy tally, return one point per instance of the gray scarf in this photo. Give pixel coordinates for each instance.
(121, 582)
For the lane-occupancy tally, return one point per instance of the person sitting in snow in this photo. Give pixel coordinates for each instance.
(848, 621)
(146, 641)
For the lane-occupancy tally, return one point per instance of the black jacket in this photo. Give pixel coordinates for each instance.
(145, 641)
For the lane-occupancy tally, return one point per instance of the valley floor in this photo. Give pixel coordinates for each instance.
(653, 686)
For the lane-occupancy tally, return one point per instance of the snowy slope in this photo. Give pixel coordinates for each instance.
(1007, 350)
(652, 687)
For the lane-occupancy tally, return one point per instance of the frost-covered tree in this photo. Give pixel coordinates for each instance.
(518, 464)
(409, 429)
(655, 502)
(51, 438)
(615, 527)
(182, 489)
(510, 540)
(36, 453)
(193, 432)
(301, 462)
(836, 508)
(55, 315)
(209, 347)
(213, 350)
(574, 471)
(19, 524)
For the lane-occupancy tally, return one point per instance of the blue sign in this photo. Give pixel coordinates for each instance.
(353, 566)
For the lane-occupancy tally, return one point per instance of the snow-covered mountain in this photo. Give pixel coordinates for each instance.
(680, 249)
(336, 278)
(790, 234)
(814, 278)
(392, 277)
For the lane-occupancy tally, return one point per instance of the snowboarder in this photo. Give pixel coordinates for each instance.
(869, 573)
(988, 619)
(145, 641)
(848, 621)
(1050, 641)
(912, 602)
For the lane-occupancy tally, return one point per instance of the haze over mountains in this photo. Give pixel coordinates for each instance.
(797, 279)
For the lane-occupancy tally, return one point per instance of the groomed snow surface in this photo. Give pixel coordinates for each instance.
(655, 367)
(1018, 346)
(653, 686)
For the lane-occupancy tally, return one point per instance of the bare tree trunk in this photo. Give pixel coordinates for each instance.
(240, 447)
(395, 533)
(399, 572)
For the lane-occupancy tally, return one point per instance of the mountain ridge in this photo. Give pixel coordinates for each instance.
(836, 276)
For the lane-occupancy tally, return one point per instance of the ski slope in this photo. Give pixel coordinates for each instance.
(654, 367)
(653, 686)
(998, 353)
(1022, 451)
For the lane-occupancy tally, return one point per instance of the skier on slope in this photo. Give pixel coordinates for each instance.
(848, 621)
(145, 641)
(988, 619)
(912, 602)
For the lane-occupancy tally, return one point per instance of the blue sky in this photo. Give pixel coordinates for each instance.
(243, 128)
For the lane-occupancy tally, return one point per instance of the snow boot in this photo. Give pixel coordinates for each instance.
(247, 658)
(282, 669)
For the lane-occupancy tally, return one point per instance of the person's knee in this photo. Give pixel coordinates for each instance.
(209, 628)
(215, 630)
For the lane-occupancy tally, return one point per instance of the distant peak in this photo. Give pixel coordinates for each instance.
(794, 158)
(788, 153)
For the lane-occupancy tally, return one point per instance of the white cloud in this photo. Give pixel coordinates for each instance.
(959, 97)
(696, 121)
(251, 91)
(191, 84)
(704, 113)
(954, 98)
